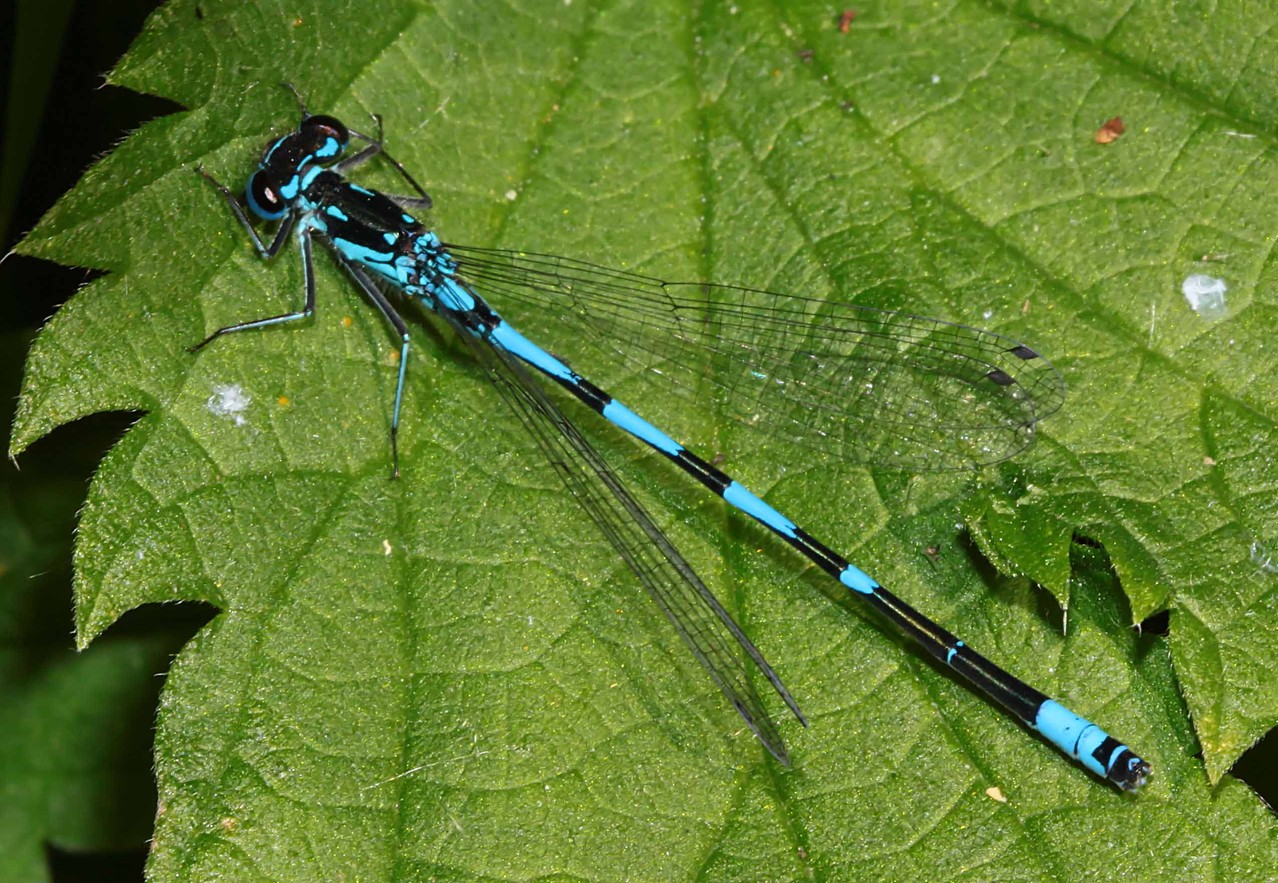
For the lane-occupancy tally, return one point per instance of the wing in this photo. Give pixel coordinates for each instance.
(867, 385)
(698, 617)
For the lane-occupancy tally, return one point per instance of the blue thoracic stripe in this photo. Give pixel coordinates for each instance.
(300, 183)
(362, 254)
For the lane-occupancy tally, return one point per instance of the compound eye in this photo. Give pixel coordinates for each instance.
(262, 197)
(328, 134)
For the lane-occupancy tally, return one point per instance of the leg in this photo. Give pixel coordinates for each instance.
(266, 251)
(308, 274)
(413, 202)
(388, 311)
(373, 149)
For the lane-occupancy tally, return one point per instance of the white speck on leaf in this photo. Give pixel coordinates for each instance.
(229, 401)
(1206, 295)
(1262, 558)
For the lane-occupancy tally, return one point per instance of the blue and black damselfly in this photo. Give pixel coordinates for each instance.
(900, 390)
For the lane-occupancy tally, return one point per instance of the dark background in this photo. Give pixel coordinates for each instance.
(58, 118)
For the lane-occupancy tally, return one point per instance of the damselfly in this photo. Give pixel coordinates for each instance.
(900, 390)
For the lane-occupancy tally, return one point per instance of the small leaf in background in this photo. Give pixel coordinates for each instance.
(75, 764)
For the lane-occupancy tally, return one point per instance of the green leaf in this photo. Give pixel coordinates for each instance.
(452, 676)
(75, 765)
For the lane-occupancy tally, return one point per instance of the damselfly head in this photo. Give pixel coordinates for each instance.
(318, 141)
(327, 135)
(263, 197)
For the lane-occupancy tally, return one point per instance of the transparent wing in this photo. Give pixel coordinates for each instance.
(705, 626)
(867, 385)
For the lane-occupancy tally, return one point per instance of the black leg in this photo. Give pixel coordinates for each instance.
(308, 274)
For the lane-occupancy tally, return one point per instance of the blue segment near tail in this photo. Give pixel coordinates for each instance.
(858, 580)
(1083, 740)
(738, 495)
(516, 344)
(965, 397)
(640, 428)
